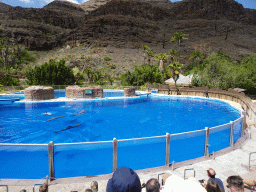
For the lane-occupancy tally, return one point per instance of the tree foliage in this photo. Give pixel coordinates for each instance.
(51, 73)
(175, 70)
(179, 36)
(218, 70)
(142, 75)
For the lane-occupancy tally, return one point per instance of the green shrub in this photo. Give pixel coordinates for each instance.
(51, 73)
(142, 75)
(107, 58)
(88, 58)
(6, 78)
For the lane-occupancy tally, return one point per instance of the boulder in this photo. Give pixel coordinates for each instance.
(39, 93)
(77, 92)
(129, 92)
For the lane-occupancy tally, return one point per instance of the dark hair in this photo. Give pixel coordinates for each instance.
(153, 185)
(212, 186)
(88, 190)
(43, 188)
(235, 181)
(210, 175)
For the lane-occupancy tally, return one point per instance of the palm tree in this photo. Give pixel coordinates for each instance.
(175, 70)
(145, 50)
(178, 36)
(88, 71)
(174, 54)
(196, 54)
(161, 57)
(150, 55)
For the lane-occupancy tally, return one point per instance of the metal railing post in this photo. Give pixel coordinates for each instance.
(5, 186)
(206, 151)
(167, 149)
(51, 160)
(231, 140)
(114, 154)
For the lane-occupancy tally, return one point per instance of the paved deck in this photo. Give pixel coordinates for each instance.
(226, 163)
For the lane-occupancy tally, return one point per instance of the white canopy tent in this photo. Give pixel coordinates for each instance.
(182, 81)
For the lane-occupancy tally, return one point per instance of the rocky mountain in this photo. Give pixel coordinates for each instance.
(65, 6)
(4, 7)
(125, 23)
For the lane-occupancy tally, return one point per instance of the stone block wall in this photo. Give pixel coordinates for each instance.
(39, 93)
(84, 92)
(129, 92)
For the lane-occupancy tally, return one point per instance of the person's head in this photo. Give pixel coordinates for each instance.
(164, 177)
(212, 186)
(94, 186)
(211, 173)
(124, 179)
(23, 190)
(235, 183)
(43, 188)
(88, 190)
(153, 185)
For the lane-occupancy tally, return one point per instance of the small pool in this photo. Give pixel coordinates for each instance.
(92, 121)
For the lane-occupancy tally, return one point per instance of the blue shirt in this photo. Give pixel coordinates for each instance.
(220, 183)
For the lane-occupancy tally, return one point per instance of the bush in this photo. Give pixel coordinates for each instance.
(107, 58)
(51, 73)
(219, 71)
(142, 75)
(6, 78)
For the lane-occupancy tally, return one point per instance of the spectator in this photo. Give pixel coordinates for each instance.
(124, 179)
(23, 190)
(88, 190)
(175, 183)
(153, 185)
(94, 186)
(211, 174)
(165, 176)
(43, 188)
(235, 184)
(250, 184)
(212, 186)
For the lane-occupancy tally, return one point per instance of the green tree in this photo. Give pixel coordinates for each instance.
(174, 54)
(88, 72)
(175, 71)
(161, 57)
(246, 75)
(179, 36)
(145, 49)
(151, 54)
(197, 54)
(141, 75)
(51, 73)
(217, 70)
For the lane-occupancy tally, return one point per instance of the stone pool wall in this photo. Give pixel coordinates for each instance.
(84, 92)
(129, 92)
(39, 93)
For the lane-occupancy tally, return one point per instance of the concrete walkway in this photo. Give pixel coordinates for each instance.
(234, 162)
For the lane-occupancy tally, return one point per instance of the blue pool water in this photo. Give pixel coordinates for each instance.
(103, 120)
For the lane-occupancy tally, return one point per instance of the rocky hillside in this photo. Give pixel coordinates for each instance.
(4, 7)
(65, 6)
(212, 25)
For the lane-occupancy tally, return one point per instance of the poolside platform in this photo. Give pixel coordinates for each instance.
(227, 162)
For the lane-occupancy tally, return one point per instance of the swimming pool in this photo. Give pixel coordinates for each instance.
(102, 120)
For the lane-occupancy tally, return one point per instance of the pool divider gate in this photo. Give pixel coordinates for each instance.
(167, 151)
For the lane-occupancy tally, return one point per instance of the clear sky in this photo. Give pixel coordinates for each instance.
(40, 3)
